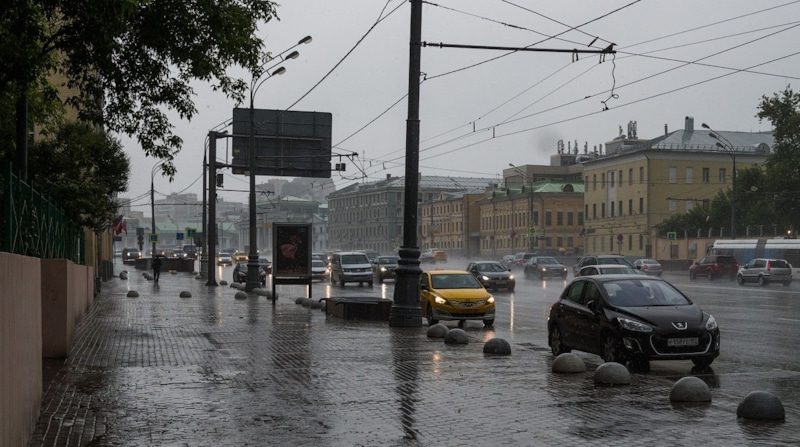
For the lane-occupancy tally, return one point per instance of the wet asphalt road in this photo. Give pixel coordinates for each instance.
(212, 370)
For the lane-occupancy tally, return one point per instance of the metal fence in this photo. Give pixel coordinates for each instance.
(31, 225)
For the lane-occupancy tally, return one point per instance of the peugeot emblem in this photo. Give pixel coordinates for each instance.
(680, 325)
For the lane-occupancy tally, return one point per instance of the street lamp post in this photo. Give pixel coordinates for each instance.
(525, 178)
(152, 202)
(728, 147)
(253, 280)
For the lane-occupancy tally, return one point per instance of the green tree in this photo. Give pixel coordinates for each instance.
(783, 165)
(82, 170)
(127, 60)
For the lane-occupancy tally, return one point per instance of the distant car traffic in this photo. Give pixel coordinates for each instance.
(714, 267)
(319, 269)
(240, 271)
(492, 275)
(454, 295)
(239, 256)
(385, 267)
(764, 271)
(634, 318)
(648, 266)
(224, 258)
(520, 259)
(544, 267)
(130, 255)
(608, 269)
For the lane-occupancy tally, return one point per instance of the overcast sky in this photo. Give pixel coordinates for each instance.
(482, 109)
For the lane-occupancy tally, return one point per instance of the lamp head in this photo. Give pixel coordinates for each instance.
(306, 39)
(279, 71)
(292, 55)
(706, 126)
(713, 135)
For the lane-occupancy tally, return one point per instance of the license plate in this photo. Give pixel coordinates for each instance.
(694, 341)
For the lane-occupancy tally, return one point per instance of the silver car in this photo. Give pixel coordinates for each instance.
(764, 271)
(648, 266)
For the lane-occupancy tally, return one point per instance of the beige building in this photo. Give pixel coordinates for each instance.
(632, 188)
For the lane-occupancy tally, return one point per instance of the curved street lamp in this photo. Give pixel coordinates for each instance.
(253, 281)
(728, 147)
(155, 169)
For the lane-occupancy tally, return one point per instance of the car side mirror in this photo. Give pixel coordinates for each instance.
(423, 287)
(592, 306)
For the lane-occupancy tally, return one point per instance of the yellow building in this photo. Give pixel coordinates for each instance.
(546, 216)
(631, 189)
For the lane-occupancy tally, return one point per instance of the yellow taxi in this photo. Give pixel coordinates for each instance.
(454, 295)
(239, 256)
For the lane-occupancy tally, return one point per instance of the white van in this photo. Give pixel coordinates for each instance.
(351, 266)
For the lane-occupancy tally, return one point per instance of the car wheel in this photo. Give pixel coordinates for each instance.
(511, 289)
(740, 280)
(557, 346)
(429, 316)
(762, 281)
(709, 275)
(703, 362)
(488, 323)
(611, 349)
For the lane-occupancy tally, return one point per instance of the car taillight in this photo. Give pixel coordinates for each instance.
(644, 266)
(769, 265)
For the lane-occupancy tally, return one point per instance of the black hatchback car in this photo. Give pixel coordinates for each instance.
(492, 275)
(631, 318)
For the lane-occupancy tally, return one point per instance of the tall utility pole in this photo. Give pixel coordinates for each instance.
(405, 310)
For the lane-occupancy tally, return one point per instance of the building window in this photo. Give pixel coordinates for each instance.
(641, 242)
(722, 175)
(611, 178)
(559, 219)
(602, 180)
(612, 209)
(603, 210)
(548, 218)
(594, 181)
(673, 206)
(570, 220)
(690, 204)
(560, 241)
(594, 211)
(535, 218)
(586, 182)
(641, 174)
(580, 218)
(630, 176)
(689, 175)
(630, 207)
(706, 175)
(586, 210)
(630, 242)
(620, 208)
(673, 174)
(641, 205)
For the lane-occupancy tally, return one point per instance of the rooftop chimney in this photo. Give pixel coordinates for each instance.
(689, 127)
(666, 129)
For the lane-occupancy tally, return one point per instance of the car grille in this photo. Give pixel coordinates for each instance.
(660, 347)
(468, 303)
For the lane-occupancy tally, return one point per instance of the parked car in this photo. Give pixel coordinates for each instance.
(598, 260)
(384, 268)
(543, 267)
(715, 266)
(224, 258)
(648, 266)
(351, 266)
(492, 275)
(520, 259)
(764, 271)
(240, 271)
(454, 295)
(634, 318)
(319, 269)
(608, 269)
(130, 255)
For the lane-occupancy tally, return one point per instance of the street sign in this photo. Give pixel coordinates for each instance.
(190, 232)
(671, 236)
(153, 237)
(179, 236)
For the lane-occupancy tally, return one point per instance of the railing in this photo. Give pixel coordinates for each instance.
(33, 226)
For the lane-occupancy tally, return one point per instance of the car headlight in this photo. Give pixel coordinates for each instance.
(510, 277)
(711, 323)
(439, 300)
(484, 278)
(633, 325)
(490, 300)
(383, 269)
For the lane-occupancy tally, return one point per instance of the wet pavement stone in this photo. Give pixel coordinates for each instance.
(212, 370)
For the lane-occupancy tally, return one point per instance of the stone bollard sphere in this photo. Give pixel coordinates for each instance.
(437, 330)
(299, 300)
(690, 389)
(317, 304)
(456, 337)
(133, 294)
(223, 283)
(497, 346)
(612, 373)
(761, 405)
(307, 302)
(240, 295)
(568, 363)
(186, 294)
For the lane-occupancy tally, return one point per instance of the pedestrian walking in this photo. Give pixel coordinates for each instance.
(156, 268)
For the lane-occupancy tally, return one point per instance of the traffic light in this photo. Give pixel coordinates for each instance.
(219, 180)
